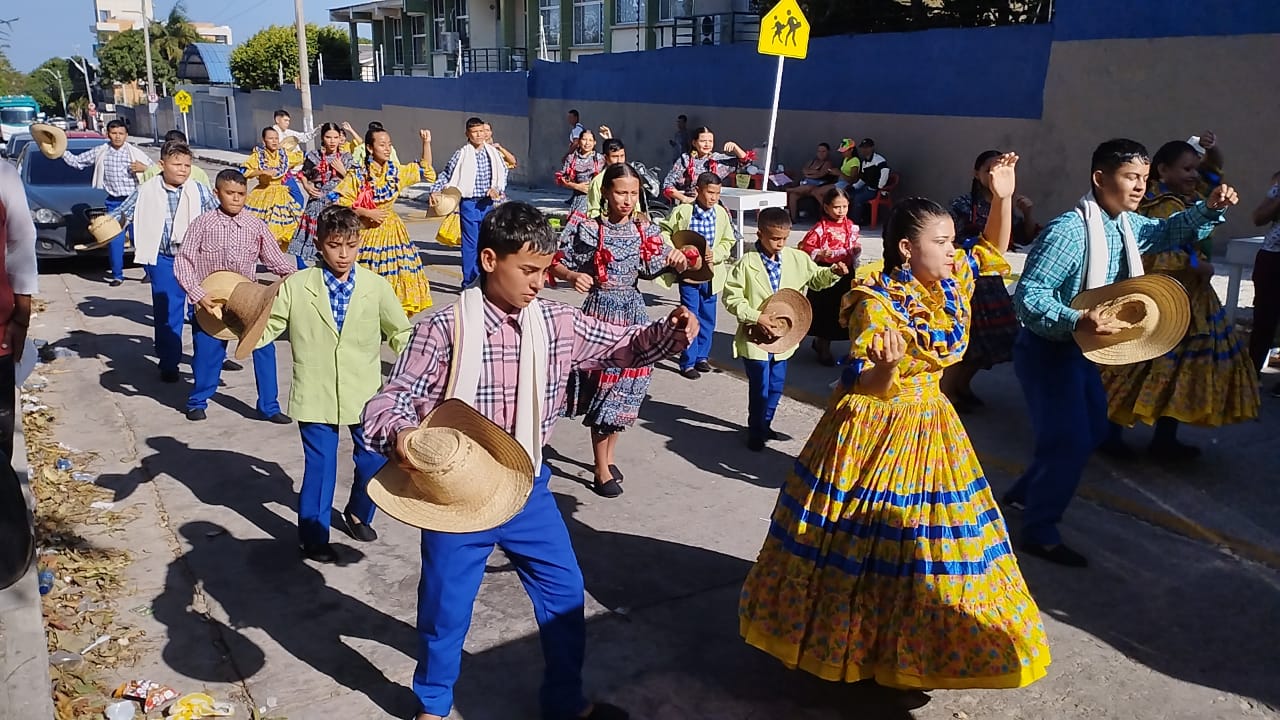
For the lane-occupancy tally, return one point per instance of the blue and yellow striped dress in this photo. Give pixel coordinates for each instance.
(271, 198)
(887, 557)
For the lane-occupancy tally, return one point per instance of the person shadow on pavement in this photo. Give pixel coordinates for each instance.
(261, 584)
(714, 445)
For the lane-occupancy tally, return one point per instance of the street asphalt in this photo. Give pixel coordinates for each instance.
(1175, 619)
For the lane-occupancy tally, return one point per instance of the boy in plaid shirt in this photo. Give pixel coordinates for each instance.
(338, 315)
(226, 238)
(516, 248)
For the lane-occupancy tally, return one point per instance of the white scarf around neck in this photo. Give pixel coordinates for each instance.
(463, 176)
(1097, 255)
(151, 212)
(100, 166)
(468, 361)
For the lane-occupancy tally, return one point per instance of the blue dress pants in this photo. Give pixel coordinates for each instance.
(470, 213)
(116, 249)
(320, 477)
(206, 368)
(1068, 409)
(537, 542)
(765, 380)
(169, 308)
(702, 303)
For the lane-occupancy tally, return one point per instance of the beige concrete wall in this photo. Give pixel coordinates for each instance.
(1150, 90)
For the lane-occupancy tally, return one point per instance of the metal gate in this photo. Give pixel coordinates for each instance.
(213, 121)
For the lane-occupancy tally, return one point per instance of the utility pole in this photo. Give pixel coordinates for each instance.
(304, 68)
(151, 83)
(61, 93)
(83, 67)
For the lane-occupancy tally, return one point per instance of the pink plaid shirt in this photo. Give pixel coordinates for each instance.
(577, 342)
(218, 241)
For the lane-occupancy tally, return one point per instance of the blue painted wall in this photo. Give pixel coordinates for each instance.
(478, 93)
(1117, 19)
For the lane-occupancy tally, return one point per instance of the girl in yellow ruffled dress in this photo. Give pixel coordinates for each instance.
(1208, 379)
(271, 199)
(371, 189)
(887, 557)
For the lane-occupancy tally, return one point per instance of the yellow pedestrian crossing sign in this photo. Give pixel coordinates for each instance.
(182, 99)
(785, 31)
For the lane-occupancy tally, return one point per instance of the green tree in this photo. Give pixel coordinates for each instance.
(255, 63)
(172, 37)
(43, 86)
(124, 60)
(12, 82)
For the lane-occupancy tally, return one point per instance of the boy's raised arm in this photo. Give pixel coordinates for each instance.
(415, 387)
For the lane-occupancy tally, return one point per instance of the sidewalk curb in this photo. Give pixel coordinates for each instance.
(24, 654)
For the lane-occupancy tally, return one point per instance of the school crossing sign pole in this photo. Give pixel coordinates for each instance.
(183, 101)
(784, 32)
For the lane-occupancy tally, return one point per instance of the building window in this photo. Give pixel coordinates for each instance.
(671, 9)
(462, 23)
(397, 41)
(549, 11)
(588, 22)
(629, 12)
(418, 30)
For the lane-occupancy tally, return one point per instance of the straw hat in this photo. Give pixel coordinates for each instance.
(289, 144)
(104, 228)
(244, 308)
(469, 474)
(703, 272)
(51, 140)
(794, 315)
(1154, 310)
(447, 203)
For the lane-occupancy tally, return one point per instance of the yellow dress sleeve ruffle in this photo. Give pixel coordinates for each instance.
(411, 173)
(981, 259)
(867, 317)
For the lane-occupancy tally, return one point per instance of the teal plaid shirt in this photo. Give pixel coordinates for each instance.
(1054, 272)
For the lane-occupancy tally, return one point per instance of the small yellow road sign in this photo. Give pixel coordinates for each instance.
(183, 98)
(785, 31)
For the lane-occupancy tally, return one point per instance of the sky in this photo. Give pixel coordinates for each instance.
(55, 27)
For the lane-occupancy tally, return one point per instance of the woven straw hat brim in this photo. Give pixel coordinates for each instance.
(252, 305)
(688, 238)
(793, 305)
(397, 493)
(218, 286)
(1163, 327)
(290, 144)
(104, 229)
(51, 140)
(448, 202)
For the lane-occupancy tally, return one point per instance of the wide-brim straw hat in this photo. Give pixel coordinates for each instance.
(290, 144)
(470, 475)
(793, 311)
(447, 202)
(1154, 310)
(703, 272)
(104, 228)
(51, 140)
(244, 306)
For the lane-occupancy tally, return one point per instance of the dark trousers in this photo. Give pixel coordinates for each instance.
(702, 303)
(765, 380)
(1068, 409)
(537, 542)
(8, 396)
(1266, 306)
(470, 213)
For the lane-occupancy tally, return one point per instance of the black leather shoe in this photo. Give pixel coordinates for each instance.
(702, 366)
(616, 473)
(691, 373)
(322, 553)
(1057, 554)
(755, 444)
(196, 414)
(278, 418)
(359, 530)
(115, 283)
(606, 489)
(169, 376)
(231, 366)
(775, 435)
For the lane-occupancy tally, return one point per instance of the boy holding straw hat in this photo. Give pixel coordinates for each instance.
(226, 238)
(508, 354)
(1095, 244)
(766, 338)
(337, 314)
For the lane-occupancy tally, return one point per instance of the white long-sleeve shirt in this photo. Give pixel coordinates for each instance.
(20, 250)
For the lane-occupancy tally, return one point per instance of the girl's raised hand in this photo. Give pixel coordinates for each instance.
(1002, 180)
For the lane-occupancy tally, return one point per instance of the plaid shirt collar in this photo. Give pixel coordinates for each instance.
(772, 267)
(703, 221)
(340, 292)
(495, 317)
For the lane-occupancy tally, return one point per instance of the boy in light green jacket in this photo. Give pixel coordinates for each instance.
(706, 217)
(337, 315)
(762, 271)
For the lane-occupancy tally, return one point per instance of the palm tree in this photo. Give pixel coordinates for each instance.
(172, 37)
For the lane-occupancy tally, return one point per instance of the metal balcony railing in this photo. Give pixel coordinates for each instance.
(717, 29)
(503, 59)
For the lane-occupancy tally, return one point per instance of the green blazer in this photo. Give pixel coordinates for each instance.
(721, 245)
(334, 374)
(747, 287)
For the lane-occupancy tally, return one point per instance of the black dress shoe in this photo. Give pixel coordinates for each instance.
(358, 530)
(278, 418)
(755, 444)
(231, 366)
(196, 414)
(169, 376)
(775, 435)
(691, 373)
(1057, 554)
(606, 489)
(1172, 451)
(322, 553)
(702, 366)
(605, 711)
(115, 283)
(615, 472)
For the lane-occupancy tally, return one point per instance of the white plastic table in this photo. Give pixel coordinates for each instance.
(741, 200)
(1240, 254)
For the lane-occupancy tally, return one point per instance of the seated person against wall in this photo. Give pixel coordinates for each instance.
(873, 174)
(847, 174)
(818, 173)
